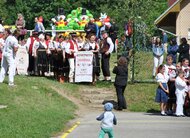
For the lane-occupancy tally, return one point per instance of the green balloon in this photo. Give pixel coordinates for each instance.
(90, 15)
(65, 28)
(73, 12)
(69, 16)
(75, 26)
(87, 12)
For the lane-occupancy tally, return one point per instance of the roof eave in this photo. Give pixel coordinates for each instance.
(173, 8)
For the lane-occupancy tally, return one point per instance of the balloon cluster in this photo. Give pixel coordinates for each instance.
(76, 20)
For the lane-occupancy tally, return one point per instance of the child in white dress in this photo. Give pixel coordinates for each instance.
(181, 88)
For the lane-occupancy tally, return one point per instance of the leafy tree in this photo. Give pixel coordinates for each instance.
(120, 10)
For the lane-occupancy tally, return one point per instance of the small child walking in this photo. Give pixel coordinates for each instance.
(107, 120)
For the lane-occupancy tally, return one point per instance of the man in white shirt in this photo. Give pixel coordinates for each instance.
(71, 49)
(2, 29)
(2, 42)
(106, 50)
(30, 47)
(9, 53)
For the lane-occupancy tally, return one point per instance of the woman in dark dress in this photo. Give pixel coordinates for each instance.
(92, 45)
(121, 71)
(41, 52)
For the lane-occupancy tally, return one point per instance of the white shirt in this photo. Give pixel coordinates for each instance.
(10, 43)
(2, 29)
(67, 48)
(64, 45)
(181, 85)
(37, 44)
(28, 42)
(50, 44)
(162, 78)
(186, 71)
(80, 44)
(88, 45)
(55, 44)
(170, 70)
(107, 121)
(109, 41)
(2, 43)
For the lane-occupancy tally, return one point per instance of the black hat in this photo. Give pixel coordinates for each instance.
(83, 11)
(103, 32)
(61, 11)
(1, 20)
(48, 34)
(34, 33)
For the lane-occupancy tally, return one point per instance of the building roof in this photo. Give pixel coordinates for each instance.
(175, 7)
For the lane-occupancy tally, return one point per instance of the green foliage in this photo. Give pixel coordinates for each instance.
(120, 10)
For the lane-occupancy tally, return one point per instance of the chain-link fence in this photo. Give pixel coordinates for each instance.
(138, 51)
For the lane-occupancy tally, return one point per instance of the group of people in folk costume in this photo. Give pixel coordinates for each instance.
(56, 57)
(174, 86)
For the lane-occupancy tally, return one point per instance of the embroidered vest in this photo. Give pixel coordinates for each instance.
(105, 47)
(72, 45)
(31, 45)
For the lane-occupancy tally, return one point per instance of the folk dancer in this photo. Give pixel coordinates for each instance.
(30, 47)
(92, 45)
(106, 50)
(2, 42)
(71, 50)
(49, 50)
(40, 49)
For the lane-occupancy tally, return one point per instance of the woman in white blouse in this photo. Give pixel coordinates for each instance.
(162, 90)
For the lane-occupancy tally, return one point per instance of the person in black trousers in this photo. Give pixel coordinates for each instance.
(121, 71)
(106, 49)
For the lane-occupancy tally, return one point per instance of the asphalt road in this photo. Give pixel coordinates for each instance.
(133, 125)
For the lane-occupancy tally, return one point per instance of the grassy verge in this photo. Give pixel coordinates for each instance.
(140, 97)
(34, 109)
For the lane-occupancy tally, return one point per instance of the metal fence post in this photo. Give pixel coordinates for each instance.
(133, 55)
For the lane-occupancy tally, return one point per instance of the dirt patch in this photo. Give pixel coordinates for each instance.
(91, 98)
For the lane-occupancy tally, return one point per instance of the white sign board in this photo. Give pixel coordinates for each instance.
(83, 66)
(22, 60)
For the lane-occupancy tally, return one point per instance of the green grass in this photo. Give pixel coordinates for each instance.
(34, 109)
(140, 97)
(143, 66)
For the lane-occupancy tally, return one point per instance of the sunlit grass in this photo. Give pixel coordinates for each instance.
(34, 109)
